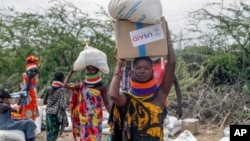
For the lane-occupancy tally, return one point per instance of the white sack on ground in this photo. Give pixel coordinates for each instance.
(165, 135)
(225, 139)
(173, 122)
(174, 130)
(226, 132)
(91, 56)
(105, 124)
(13, 135)
(69, 127)
(106, 131)
(38, 120)
(142, 11)
(105, 115)
(186, 136)
(44, 115)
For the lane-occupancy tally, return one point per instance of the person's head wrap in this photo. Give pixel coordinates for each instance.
(31, 62)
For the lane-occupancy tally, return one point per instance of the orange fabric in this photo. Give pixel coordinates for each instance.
(149, 84)
(29, 109)
(15, 115)
(30, 65)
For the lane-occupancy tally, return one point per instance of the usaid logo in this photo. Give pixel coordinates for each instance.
(147, 35)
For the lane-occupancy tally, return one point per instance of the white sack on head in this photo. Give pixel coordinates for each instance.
(141, 11)
(91, 57)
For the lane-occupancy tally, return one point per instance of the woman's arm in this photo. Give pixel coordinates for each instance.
(67, 83)
(105, 98)
(114, 90)
(178, 94)
(169, 68)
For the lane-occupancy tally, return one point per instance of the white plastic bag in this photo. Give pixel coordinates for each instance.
(142, 11)
(174, 131)
(173, 122)
(106, 131)
(44, 115)
(38, 120)
(186, 136)
(226, 132)
(69, 127)
(105, 124)
(92, 56)
(13, 135)
(225, 139)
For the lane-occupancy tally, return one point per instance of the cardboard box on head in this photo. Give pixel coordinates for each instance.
(138, 39)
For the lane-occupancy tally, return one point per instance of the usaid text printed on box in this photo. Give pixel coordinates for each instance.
(239, 132)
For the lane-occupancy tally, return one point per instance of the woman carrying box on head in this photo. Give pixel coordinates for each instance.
(139, 114)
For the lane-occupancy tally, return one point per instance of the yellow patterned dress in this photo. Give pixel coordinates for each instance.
(137, 121)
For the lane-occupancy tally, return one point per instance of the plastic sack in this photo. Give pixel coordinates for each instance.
(174, 131)
(226, 132)
(186, 136)
(69, 127)
(106, 131)
(44, 115)
(173, 122)
(91, 57)
(12, 135)
(225, 139)
(38, 120)
(105, 124)
(141, 11)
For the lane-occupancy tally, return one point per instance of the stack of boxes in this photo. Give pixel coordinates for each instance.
(138, 39)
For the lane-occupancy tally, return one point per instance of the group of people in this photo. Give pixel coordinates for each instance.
(138, 94)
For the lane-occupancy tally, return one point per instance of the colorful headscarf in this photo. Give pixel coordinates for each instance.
(31, 62)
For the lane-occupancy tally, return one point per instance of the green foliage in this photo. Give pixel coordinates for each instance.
(222, 56)
(243, 115)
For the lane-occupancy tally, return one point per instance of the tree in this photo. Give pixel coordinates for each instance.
(56, 36)
(228, 36)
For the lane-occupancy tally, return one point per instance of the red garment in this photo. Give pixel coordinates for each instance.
(159, 69)
(29, 104)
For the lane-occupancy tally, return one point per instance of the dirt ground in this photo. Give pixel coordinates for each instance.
(206, 133)
(66, 136)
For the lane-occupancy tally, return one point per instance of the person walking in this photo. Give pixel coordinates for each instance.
(86, 104)
(56, 101)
